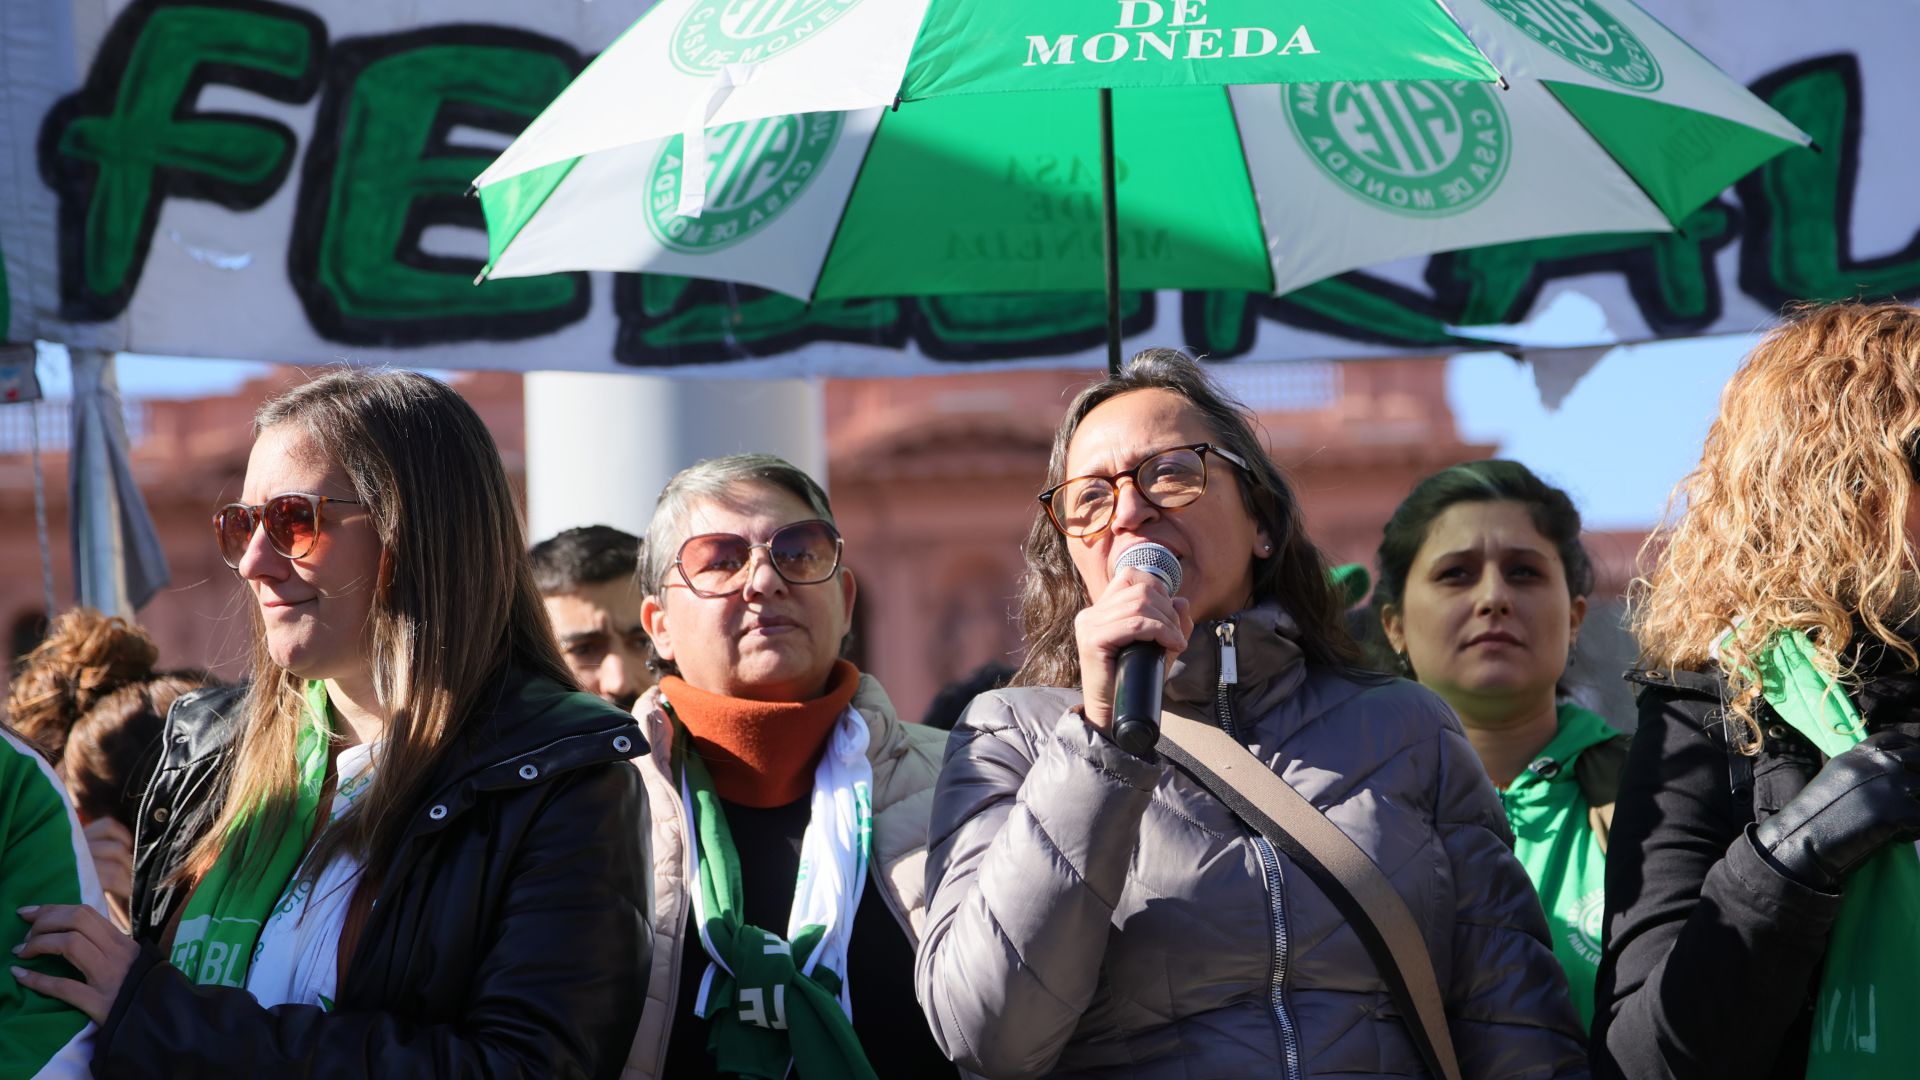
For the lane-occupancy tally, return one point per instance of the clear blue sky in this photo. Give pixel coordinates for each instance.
(1628, 432)
(150, 377)
(1626, 435)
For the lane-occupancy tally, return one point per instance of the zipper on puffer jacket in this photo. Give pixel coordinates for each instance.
(1229, 668)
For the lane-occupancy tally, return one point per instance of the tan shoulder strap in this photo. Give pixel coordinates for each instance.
(1600, 820)
(1375, 910)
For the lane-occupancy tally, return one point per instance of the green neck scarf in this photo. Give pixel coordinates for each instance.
(220, 928)
(764, 1013)
(1554, 840)
(1863, 1022)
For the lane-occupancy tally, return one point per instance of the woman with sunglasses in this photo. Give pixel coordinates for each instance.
(791, 878)
(410, 847)
(1094, 912)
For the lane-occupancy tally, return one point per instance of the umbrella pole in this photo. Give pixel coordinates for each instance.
(1110, 231)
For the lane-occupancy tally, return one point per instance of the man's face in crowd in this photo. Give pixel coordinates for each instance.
(602, 637)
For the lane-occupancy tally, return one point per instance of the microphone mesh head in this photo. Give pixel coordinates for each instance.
(1155, 560)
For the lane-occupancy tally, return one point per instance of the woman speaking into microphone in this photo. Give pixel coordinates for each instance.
(1099, 912)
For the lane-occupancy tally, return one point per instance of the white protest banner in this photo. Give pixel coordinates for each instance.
(287, 181)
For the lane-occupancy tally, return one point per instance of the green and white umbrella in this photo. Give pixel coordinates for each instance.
(832, 149)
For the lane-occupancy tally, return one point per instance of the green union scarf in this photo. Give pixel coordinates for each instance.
(765, 1013)
(1554, 840)
(1863, 1023)
(220, 928)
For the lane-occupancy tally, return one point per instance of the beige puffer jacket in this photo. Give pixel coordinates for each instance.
(905, 758)
(1094, 914)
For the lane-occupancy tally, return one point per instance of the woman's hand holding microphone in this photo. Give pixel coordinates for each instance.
(1133, 607)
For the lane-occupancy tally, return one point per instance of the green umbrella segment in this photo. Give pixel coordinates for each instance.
(835, 149)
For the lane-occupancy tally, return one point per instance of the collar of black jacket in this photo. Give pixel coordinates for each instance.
(1887, 687)
(1883, 686)
(1706, 684)
(202, 724)
(525, 730)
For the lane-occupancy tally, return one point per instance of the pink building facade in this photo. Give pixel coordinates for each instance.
(932, 479)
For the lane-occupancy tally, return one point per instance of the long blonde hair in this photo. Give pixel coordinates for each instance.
(1794, 518)
(456, 606)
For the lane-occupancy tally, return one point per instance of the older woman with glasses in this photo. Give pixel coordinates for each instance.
(1096, 912)
(789, 878)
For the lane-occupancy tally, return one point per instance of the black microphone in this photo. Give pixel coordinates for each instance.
(1142, 670)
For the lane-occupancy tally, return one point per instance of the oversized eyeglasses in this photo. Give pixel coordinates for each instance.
(718, 564)
(292, 522)
(1083, 506)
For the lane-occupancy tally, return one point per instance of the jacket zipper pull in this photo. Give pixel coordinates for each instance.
(1229, 656)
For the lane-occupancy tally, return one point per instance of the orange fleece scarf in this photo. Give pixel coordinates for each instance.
(761, 753)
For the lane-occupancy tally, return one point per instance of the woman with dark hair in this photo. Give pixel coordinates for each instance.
(113, 747)
(1774, 777)
(1098, 913)
(1483, 586)
(410, 846)
(88, 695)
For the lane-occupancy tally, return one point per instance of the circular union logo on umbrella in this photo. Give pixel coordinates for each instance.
(1583, 32)
(757, 168)
(718, 32)
(1427, 149)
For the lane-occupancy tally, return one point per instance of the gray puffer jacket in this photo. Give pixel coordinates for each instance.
(1096, 914)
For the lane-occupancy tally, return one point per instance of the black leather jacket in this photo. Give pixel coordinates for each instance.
(1713, 956)
(510, 936)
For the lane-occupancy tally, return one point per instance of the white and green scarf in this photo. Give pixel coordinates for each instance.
(220, 926)
(297, 959)
(778, 1003)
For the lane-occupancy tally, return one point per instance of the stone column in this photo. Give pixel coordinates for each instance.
(600, 447)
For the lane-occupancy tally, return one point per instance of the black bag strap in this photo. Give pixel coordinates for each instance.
(1370, 903)
(1597, 770)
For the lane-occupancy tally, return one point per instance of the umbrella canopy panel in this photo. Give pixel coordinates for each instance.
(992, 193)
(1001, 193)
(692, 63)
(1309, 164)
(1673, 120)
(1256, 188)
(1353, 174)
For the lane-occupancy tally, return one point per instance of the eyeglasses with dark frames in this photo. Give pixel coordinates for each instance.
(1170, 479)
(719, 564)
(291, 519)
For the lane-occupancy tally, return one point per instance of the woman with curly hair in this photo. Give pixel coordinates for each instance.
(1777, 631)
